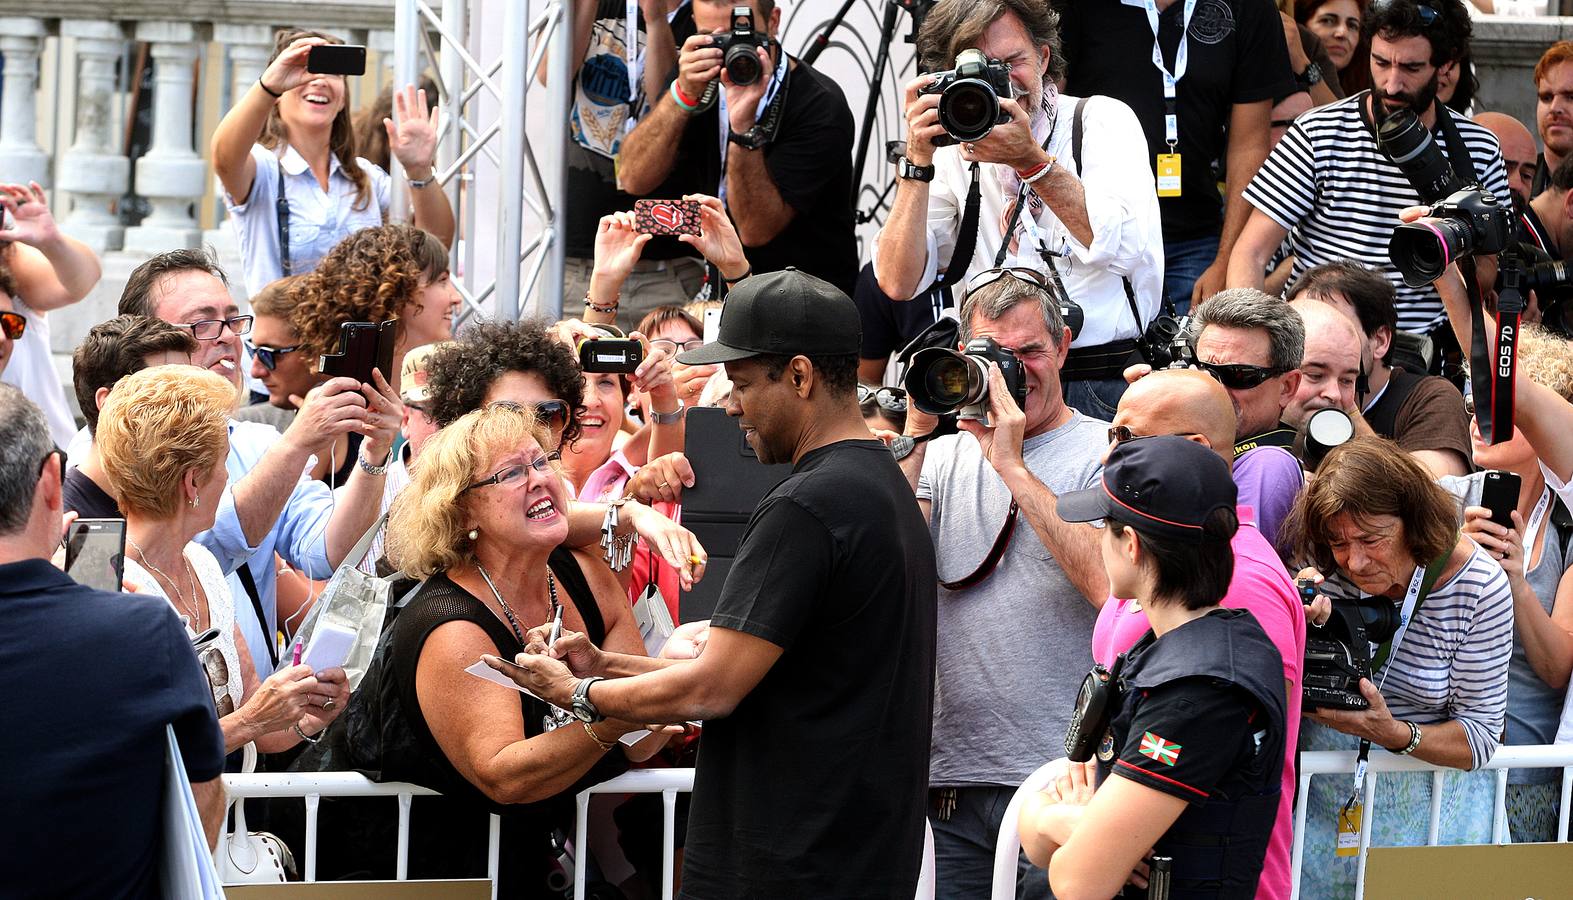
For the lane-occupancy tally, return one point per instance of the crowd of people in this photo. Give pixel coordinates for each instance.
(1162, 263)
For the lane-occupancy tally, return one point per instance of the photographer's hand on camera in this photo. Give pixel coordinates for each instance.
(1320, 609)
(1009, 144)
(1001, 441)
(742, 100)
(698, 64)
(922, 114)
(1376, 724)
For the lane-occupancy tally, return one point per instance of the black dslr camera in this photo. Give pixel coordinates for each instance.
(738, 46)
(941, 381)
(1338, 654)
(1468, 222)
(969, 97)
(1166, 344)
(1550, 279)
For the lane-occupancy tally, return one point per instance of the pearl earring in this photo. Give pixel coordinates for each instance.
(474, 533)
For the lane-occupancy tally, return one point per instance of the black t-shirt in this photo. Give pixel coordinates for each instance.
(816, 785)
(810, 162)
(83, 496)
(92, 680)
(1236, 54)
(592, 178)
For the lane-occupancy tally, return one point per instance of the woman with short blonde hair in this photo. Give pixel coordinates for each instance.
(162, 439)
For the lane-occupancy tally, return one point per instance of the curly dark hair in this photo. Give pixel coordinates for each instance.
(952, 26)
(1449, 35)
(370, 276)
(460, 374)
(341, 140)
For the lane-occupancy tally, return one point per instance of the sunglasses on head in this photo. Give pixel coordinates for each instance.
(1239, 376)
(13, 325)
(989, 276)
(553, 412)
(269, 356)
(1428, 14)
(890, 399)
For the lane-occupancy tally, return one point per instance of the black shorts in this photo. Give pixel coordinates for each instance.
(889, 325)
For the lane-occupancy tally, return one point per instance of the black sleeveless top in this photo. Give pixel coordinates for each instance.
(383, 735)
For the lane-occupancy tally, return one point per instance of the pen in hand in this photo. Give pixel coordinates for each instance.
(557, 628)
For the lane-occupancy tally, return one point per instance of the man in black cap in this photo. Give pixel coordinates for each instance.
(816, 685)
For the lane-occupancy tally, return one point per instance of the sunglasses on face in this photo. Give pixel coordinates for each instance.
(1121, 433)
(553, 412)
(890, 399)
(13, 325)
(1239, 376)
(211, 329)
(517, 473)
(269, 356)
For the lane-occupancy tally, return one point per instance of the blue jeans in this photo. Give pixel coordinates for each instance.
(1183, 263)
(1095, 399)
(964, 848)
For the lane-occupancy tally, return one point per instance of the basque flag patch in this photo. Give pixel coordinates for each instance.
(1155, 747)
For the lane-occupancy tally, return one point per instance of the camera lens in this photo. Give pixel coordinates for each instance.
(941, 381)
(1422, 249)
(1408, 143)
(1380, 617)
(742, 66)
(968, 109)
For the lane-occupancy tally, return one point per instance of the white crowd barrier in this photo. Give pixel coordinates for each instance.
(1334, 762)
(313, 786)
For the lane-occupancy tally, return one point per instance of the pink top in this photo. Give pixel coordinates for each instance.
(1262, 586)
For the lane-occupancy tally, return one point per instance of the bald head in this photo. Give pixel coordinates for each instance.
(1184, 402)
(1518, 152)
(1331, 366)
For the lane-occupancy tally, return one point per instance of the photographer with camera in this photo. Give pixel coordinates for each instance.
(1423, 413)
(767, 133)
(1189, 725)
(1441, 610)
(1059, 185)
(1332, 182)
(1546, 223)
(1019, 588)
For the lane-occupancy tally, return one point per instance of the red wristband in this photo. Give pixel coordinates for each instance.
(683, 97)
(1032, 171)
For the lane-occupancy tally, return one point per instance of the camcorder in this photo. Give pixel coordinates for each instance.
(941, 381)
(1468, 222)
(1338, 653)
(1166, 344)
(738, 47)
(969, 97)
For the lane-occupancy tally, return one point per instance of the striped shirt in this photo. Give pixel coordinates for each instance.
(1453, 661)
(1339, 196)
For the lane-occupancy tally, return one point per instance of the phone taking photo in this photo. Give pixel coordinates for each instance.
(96, 553)
(667, 217)
(363, 346)
(1499, 493)
(336, 59)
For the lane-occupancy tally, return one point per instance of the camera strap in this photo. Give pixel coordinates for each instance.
(996, 552)
(1419, 586)
(281, 212)
(1493, 368)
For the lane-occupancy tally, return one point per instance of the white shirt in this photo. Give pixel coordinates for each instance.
(32, 371)
(318, 219)
(1122, 207)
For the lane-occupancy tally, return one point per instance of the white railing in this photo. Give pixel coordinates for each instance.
(1331, 762)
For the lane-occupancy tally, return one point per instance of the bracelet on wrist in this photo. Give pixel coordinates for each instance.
(687, 103)
(308, 738)
(269, 91)
(1036, 172)
(747, 272)
(592, 306)
(1414, 740)
(371, 469)
(604, 745)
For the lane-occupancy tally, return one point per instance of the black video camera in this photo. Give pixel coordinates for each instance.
(738, 47)
(1338, 654)
(1166, 344)
(941, 381)
(1468, 222)
(969, 97)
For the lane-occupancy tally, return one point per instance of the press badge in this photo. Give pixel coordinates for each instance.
(1168, 174)
(1349, 830)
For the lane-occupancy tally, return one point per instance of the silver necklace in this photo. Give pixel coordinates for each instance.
(196, 619)
(555, 717)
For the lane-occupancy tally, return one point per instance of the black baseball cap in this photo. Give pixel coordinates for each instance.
(788, 312)
(1164, 485)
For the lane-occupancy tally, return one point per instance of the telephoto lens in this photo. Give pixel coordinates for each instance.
(1468, 222)
(1324, 430)
(1408, 143)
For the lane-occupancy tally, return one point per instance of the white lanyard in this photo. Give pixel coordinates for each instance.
(1532, 530)
(1405, 618)
(776, 77)
(1171, 121)
(634, 59)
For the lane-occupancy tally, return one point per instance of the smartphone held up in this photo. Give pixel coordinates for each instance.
(667, 217)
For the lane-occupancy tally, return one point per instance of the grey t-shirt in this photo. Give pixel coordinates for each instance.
(1014, 649)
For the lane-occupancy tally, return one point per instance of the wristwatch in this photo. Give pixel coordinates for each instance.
(583, 709)
(911, 171)
(1312, 75)
(752, 139)
(671, 418)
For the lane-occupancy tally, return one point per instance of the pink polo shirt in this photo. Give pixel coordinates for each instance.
(1262, 586)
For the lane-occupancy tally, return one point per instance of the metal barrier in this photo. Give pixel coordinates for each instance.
(1331, 762)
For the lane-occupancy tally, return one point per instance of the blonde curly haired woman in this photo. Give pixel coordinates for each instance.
(162, 438)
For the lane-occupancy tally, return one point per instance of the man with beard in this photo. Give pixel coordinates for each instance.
(1553, 111)
(1331, 190)
(1090, 216)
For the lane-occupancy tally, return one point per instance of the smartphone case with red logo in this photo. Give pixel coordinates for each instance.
(667, 216)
